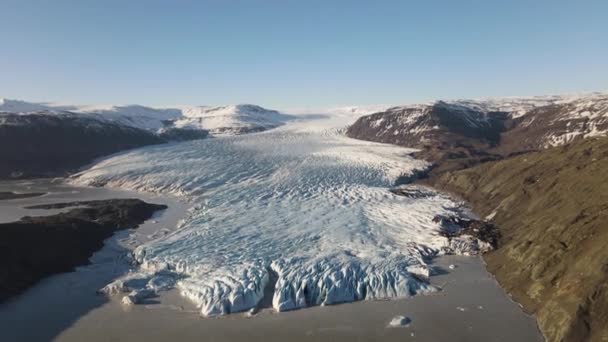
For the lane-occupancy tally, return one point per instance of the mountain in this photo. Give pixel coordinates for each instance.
(551, 208)
(56, 140)
(233, 119)
(131, 115)
(16, 106)
(42, 145)
(458, 134)
(220, 120)
(558, 123)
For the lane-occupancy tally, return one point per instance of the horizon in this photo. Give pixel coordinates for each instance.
(282, 55)
(304, 109)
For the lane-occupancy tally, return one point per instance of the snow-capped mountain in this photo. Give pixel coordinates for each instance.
(435, 124)
(530, 123)
(560, 122)
(58, 139)
(133, 115)
(232, 119)
(16, 106)
(225, 120)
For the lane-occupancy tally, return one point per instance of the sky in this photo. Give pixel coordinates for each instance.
(287, 54)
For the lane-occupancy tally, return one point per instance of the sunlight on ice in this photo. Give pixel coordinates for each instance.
(301, 205)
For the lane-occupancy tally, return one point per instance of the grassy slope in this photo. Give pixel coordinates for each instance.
(552, 210)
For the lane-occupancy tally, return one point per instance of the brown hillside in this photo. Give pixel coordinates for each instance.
(551, 208)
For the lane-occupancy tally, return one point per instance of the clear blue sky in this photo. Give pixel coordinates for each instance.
(299, 53)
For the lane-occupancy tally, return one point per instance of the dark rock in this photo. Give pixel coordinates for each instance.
(453, 226)
(36, 247)
(413, 191)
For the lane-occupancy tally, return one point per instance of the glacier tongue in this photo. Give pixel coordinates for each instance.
(303, 212)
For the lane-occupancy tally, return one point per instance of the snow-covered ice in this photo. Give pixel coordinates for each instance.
(301, 204)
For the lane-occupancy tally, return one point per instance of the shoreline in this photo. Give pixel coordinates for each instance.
(175, 316)
(35, 247)
(63, 298)
(552, 222)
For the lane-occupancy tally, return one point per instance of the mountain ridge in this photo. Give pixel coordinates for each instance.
(227, 119)
(459, 134)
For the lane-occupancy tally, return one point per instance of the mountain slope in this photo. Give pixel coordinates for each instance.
(442, 131)
(55, 140)
(551, 208)
(558, 123)
(459, 134)
(42, 145)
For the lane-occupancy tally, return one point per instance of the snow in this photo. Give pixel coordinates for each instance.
(584, 115)
(16, 106)
(132, 115)
(230, 119)
(302, 204)
(491, 216)
(343, 112)
(400, 322)
(247, 118)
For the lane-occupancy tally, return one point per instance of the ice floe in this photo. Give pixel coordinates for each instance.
(400, 322)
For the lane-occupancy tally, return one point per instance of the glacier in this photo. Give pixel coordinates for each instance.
(299, 213)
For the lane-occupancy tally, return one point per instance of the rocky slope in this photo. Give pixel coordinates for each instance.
(551, 208)
(36, 247)
(40, 145)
